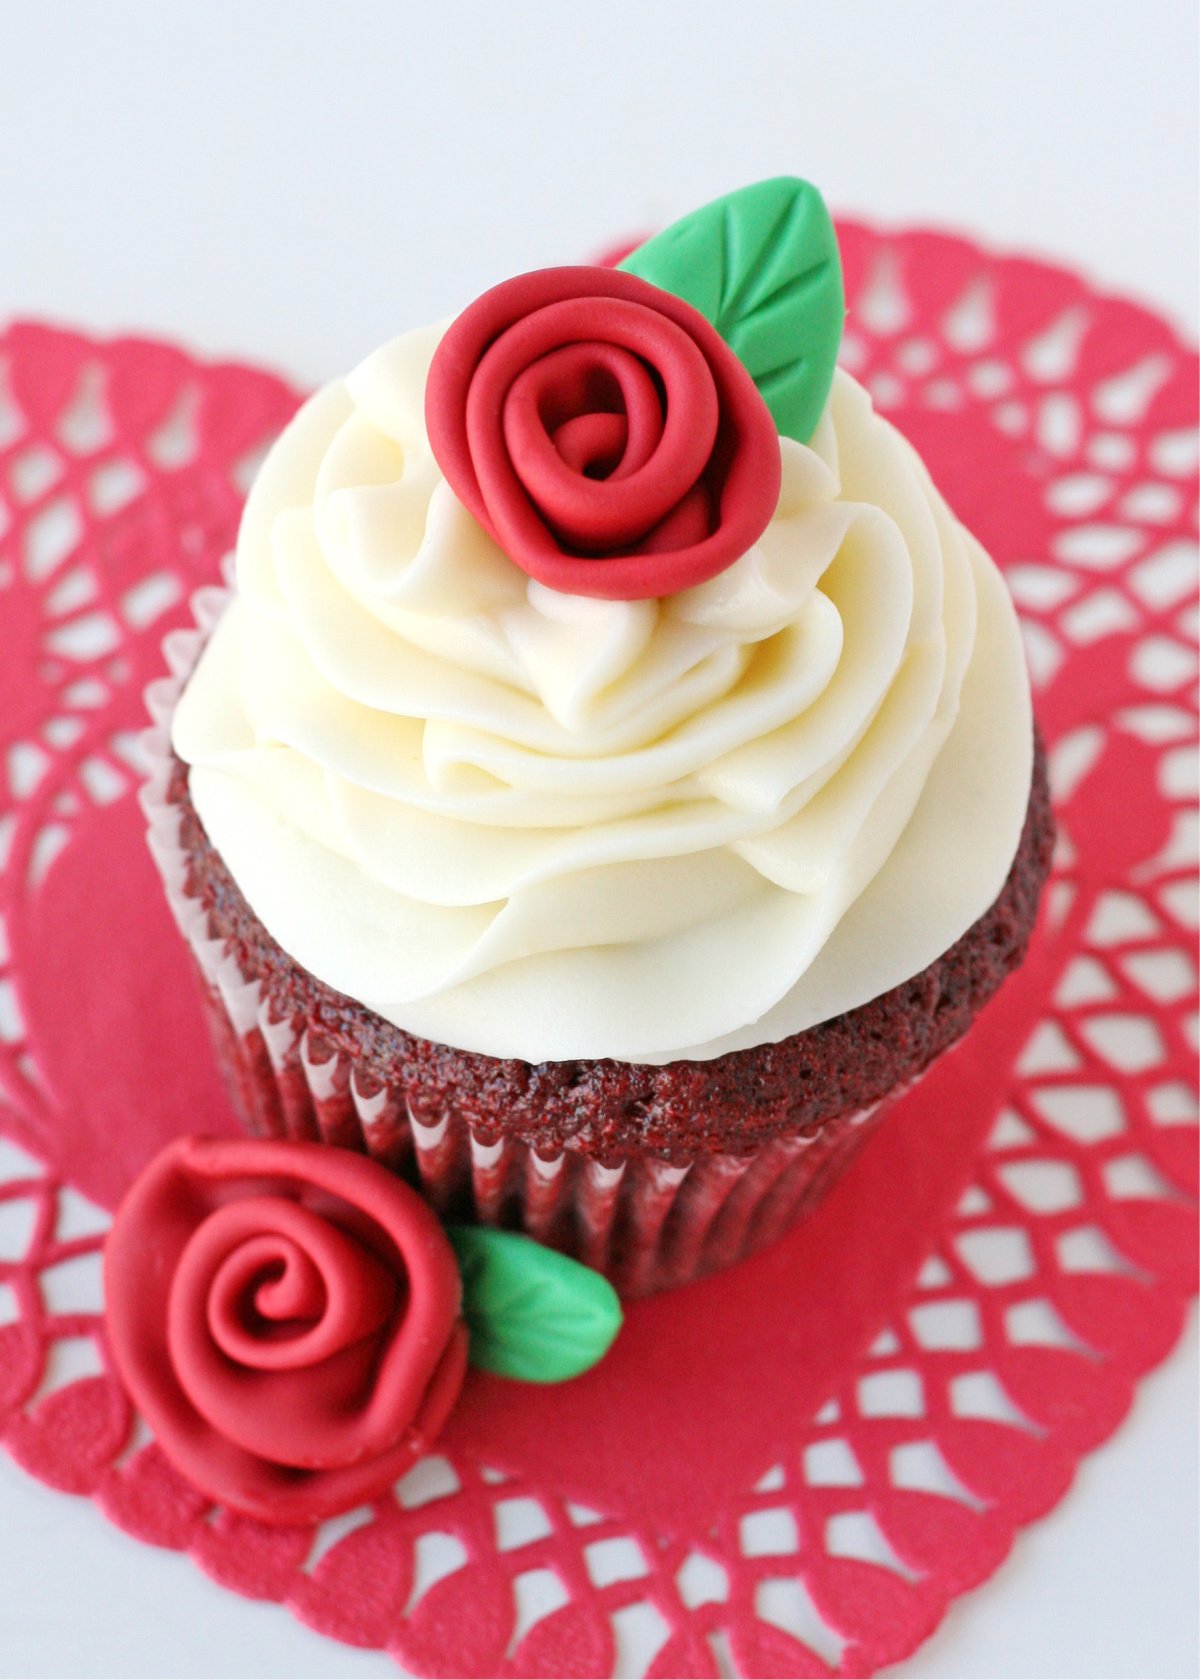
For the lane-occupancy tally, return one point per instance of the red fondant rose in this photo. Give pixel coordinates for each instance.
(286, 1316)
(603, 432)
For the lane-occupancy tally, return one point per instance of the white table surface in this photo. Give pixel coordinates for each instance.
(295, 181)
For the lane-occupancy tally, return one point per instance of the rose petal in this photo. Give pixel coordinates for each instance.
(689, 522)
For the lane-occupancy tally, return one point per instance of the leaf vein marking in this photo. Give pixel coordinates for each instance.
(792, 210)
(788, 291)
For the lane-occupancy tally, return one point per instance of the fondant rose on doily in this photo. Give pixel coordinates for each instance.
(291, 1321)
(616, 430)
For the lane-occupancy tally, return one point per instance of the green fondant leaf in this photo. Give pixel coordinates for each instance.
(532, 1313)
(762, 265)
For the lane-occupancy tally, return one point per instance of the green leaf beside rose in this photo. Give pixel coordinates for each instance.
(762, 265)
(531, 1312)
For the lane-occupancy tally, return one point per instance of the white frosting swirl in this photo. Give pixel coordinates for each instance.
(549, 827)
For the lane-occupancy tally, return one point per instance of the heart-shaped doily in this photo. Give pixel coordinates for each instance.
(793, 1468)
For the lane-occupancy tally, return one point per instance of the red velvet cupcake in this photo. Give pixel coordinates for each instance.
(613, 775)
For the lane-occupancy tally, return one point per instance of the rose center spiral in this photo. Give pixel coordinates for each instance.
(280, 1287)
(599, 406)
(267, 1290)
(608, 414)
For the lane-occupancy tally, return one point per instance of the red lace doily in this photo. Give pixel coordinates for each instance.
(794, 1468)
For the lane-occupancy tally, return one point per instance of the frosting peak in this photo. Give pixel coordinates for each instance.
(540, 825)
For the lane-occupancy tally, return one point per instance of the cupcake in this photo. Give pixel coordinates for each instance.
(611, 776)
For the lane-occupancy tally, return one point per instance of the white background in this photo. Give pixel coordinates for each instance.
(295, 182)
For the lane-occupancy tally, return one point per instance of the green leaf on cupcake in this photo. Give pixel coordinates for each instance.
(762, 265)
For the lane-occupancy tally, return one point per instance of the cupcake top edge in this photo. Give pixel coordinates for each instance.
(605, 678)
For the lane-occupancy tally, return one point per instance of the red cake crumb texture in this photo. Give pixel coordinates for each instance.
(610, 1110)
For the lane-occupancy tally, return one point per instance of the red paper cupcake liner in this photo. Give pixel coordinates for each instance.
(645, 1223)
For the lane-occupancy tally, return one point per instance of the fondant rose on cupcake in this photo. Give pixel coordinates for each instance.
(617, 431)
(291, 1320)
